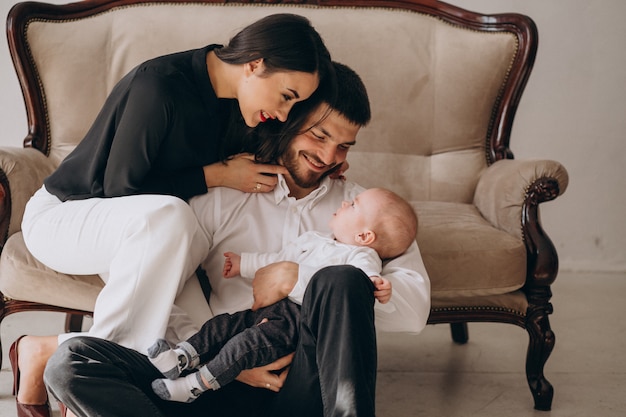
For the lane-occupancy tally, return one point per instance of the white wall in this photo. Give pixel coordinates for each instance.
(573, 111)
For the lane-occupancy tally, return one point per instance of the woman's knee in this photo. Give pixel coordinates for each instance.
(165, 216)
(172, 211)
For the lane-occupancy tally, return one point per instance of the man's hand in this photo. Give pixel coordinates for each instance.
(273, 282)
(264, 376)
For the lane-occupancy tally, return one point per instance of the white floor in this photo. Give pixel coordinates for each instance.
(428, 375)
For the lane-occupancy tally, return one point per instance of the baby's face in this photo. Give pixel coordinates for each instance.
(355, 217)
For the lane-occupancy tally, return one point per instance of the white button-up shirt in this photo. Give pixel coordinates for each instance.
(265, 222)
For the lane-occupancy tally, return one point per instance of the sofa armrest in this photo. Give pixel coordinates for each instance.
(508, 195)
(504, 188)
(22, 171)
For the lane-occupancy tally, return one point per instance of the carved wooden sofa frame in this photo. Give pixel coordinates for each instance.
(500, 191)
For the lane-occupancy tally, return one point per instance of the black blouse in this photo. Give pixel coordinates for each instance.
(159, 126)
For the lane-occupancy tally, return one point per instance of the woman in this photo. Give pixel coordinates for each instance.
(116, 205)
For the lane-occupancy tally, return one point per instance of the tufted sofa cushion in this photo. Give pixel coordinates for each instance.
(436, 70)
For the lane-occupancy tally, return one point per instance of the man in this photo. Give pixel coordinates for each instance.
(333, 371)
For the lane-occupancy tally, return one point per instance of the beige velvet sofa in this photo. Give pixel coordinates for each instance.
(444, 85)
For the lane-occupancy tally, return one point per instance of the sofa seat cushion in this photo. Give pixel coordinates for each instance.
(466, 256)
(24, 278)
(454, 239)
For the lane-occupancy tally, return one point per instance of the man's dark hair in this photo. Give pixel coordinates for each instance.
(351, 100)
(347, 96)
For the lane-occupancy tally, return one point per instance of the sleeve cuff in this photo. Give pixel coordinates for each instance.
(246, 266)
(304, 276)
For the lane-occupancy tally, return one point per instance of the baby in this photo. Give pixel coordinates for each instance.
(377, 225)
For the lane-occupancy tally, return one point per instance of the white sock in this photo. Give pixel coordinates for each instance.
(183, 390)
(171, 362)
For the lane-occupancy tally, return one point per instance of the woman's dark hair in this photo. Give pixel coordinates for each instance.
(286, 42)
(346, 95)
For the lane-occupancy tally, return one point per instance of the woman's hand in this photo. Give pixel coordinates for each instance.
(242, 173)
(265, 376)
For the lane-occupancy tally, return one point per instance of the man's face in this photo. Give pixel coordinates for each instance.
(319, 149)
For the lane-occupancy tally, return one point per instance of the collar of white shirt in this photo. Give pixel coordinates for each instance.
(282, 191)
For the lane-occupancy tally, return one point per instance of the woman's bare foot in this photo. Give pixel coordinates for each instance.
(33, 354)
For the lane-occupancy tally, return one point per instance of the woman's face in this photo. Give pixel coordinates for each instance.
(263, 97)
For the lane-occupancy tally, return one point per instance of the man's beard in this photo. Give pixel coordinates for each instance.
(305, 179)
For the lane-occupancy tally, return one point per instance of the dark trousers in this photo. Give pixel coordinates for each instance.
(230, 343)
(333, 372)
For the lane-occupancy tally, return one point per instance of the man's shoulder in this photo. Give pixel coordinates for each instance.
(218, 199)
(226, 195)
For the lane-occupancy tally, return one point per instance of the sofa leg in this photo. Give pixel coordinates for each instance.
(541, 343)
(73, 322)
(459, 332)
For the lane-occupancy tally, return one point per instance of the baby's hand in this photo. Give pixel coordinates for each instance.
(383, 289)
(231, 265)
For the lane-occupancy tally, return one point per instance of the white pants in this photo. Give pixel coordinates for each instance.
(144, 247)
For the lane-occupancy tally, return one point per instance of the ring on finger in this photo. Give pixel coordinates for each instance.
(257, 187)
(268, 385)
